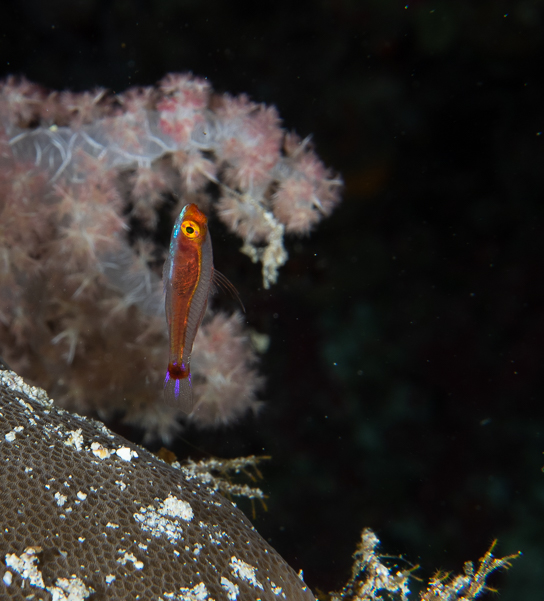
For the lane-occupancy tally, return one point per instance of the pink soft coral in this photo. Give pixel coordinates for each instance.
(81, 311)
(226, 382)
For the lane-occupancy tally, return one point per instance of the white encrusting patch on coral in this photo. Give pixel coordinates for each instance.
(69, 589)
(7, 578)
(61, 499)
(64, 589)
(100, 451)
(16, 383)
(232, 590)
(81, 496)
(75, 439)
(110, 578)
(26, 565)
(126, 557)
(199, 592)
(176, 508)
(126, 453)
(110, 525)
(165, 519)
(10, 436)
(244, 571)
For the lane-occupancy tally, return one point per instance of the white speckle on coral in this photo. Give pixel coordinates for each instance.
(244, 571)
(197, 548)
(81, 496)
(100, 451)
(126, 453)
(8, 577)
(130, 557)
(232, 590)
(75, 439)
(110, 578)
(277, 590)
(25, 405)
(81, 539)
(121, 484)
(61, 499)
(110, 525)
(100, 426)
(215, 535)
(10, 436)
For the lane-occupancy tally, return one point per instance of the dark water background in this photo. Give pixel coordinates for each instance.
(404, 374)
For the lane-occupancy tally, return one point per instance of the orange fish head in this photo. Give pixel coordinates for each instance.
(191, 226)
(194, 223)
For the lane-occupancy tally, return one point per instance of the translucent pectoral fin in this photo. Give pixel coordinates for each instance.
(221, 281)
(178, 393)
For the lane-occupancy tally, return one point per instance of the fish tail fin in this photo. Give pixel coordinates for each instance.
(178, 392)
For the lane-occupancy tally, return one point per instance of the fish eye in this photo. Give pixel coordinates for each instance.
(190, 229)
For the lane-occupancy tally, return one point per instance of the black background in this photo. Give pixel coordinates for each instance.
(404, 389)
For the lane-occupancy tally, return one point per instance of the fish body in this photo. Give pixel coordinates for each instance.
(187, 277)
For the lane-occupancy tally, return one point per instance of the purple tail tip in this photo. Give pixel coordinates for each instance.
(178, 393)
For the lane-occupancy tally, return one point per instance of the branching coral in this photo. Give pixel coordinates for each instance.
(80, 299)
(371, 580)
(215, 473)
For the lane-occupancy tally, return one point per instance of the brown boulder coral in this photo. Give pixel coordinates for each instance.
(85, 514)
